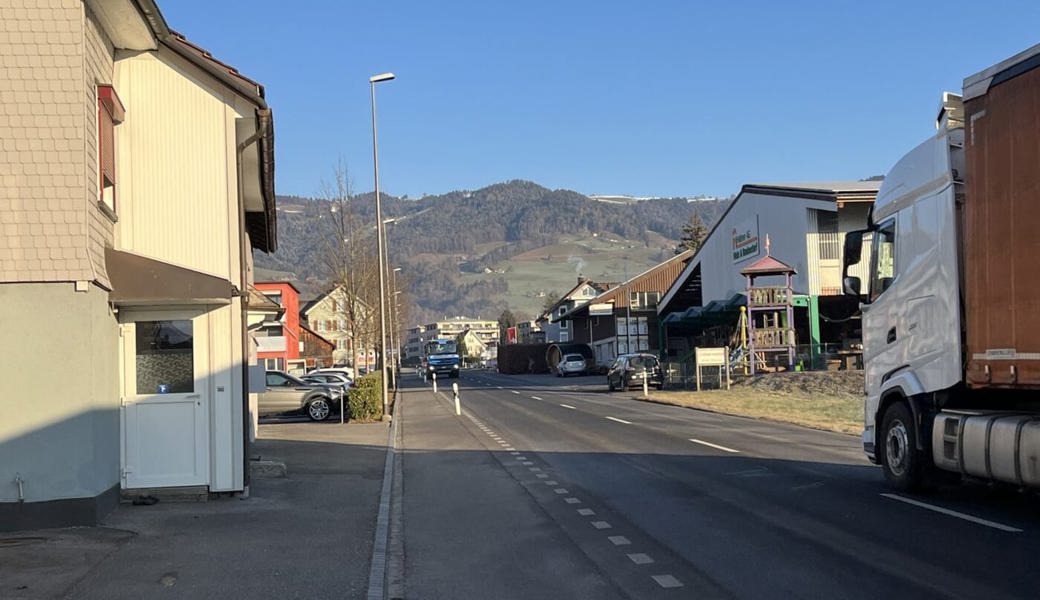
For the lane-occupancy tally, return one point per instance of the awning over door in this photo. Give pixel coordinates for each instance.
(141, 281)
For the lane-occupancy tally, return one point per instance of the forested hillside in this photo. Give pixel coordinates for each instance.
(437, 240)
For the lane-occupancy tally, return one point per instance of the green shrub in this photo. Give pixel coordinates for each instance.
(365, 399)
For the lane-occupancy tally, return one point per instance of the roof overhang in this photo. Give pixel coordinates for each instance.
(141, 281)
(130, 24)
(257, 163)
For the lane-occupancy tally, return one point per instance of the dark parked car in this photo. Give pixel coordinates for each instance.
(628, 371)
(338, 380)
(286, 394)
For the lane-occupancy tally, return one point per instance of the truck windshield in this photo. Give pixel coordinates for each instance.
(442, 347)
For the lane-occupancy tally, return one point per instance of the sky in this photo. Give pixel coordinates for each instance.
(652, 98)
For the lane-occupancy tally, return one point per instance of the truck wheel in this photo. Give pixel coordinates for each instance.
(318, 409)
(903, 465)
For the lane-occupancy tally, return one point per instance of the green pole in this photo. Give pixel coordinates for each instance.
(814, 329)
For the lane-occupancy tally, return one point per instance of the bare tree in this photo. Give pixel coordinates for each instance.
(348, 253)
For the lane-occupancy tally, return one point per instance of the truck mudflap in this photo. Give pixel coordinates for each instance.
(997, 446)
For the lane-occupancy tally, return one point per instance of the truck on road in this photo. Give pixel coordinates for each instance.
(441, 357)
(951, 297)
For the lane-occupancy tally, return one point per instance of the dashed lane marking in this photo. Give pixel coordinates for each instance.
(715, 446)
(640, 559)
(586, 512)
(541, 476)
(601, 525)
(561, 491)
(515, 392)
(572, 501)
(620, 420)
(618, 540)
(568, 406)
(550, 482)
(666, 581)
(953, 513)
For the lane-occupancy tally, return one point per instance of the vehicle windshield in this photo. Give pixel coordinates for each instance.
(572, 358)
(441, 347)
(643, 362)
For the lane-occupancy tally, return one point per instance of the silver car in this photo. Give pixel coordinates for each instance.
(287, 394)
(571, 364)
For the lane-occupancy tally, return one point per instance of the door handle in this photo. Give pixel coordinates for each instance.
(891, 335)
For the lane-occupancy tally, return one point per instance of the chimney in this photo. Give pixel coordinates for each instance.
(582, 279)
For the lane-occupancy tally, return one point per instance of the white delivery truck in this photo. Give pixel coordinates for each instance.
(949, 283)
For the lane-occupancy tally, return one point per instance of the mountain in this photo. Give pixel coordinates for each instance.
(509, 245)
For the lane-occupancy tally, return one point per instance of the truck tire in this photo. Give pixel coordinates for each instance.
(903, 464)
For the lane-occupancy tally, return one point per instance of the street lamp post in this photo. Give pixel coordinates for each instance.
(395, 334)
(373, 80)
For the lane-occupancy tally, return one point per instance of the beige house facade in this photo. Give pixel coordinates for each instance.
(114, 264)
(329, 317)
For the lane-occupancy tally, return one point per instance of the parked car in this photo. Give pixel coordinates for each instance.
(571, 364)
(628, 370)
(339, 380)
(287, 394)
(347, 371)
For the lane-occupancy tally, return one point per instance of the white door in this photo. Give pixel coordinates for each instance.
(165, 400)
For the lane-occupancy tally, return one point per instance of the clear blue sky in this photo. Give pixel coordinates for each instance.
(665, 98)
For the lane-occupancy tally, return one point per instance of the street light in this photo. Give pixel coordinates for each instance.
(373, 80)
(395, 334)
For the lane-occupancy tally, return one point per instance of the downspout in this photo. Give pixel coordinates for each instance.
(247, 423)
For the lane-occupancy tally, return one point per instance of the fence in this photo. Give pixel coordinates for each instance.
(808, 357)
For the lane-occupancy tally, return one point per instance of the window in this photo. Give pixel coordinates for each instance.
(165, 357)
(564, 336)
(278, 380)
(828, 241)
(644, 300)
(564, 324)
(275, 297)
(883, 256)
(110, 114)
(274, 364)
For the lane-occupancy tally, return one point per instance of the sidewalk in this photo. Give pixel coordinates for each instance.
(307, 535)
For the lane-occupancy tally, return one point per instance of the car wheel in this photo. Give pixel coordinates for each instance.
(318, 409)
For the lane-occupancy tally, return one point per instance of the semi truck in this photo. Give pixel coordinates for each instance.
(949, 286)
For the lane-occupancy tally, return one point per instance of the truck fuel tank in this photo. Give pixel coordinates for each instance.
(1000, 446)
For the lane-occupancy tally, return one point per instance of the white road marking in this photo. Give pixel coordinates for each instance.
(534, 469)
(498, 386)
(561, 491)
(518, 457)
(551, 482)
(618, 540)
(510, 448)
(541, 476)
(568, 406)
(572, 501)
(515, 392)
(515, 453)
(953, 513)
(526, 463)
(535, 398)
(586, 512)
(715, 446)
(601, 525)
(666, 581)
(640, 559)
(620, 420)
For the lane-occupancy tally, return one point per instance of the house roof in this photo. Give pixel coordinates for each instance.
(658, 274)
(833, 191)
(600, 287)
(310, 304)
(316, 334)
(288, 283)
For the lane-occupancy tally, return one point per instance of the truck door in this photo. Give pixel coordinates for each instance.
(882, 313)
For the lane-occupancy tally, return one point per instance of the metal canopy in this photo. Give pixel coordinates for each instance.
(141, 281)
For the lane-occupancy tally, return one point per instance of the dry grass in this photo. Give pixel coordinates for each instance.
(829, 400)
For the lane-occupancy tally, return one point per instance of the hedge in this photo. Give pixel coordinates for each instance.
(365, 399)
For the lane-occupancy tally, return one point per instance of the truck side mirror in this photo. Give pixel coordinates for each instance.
(851, 256)
(853, 247)
(850, 285)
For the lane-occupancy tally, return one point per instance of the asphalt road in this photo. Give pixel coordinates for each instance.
(553, 488)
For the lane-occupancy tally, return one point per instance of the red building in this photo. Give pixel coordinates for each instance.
(280, 344)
